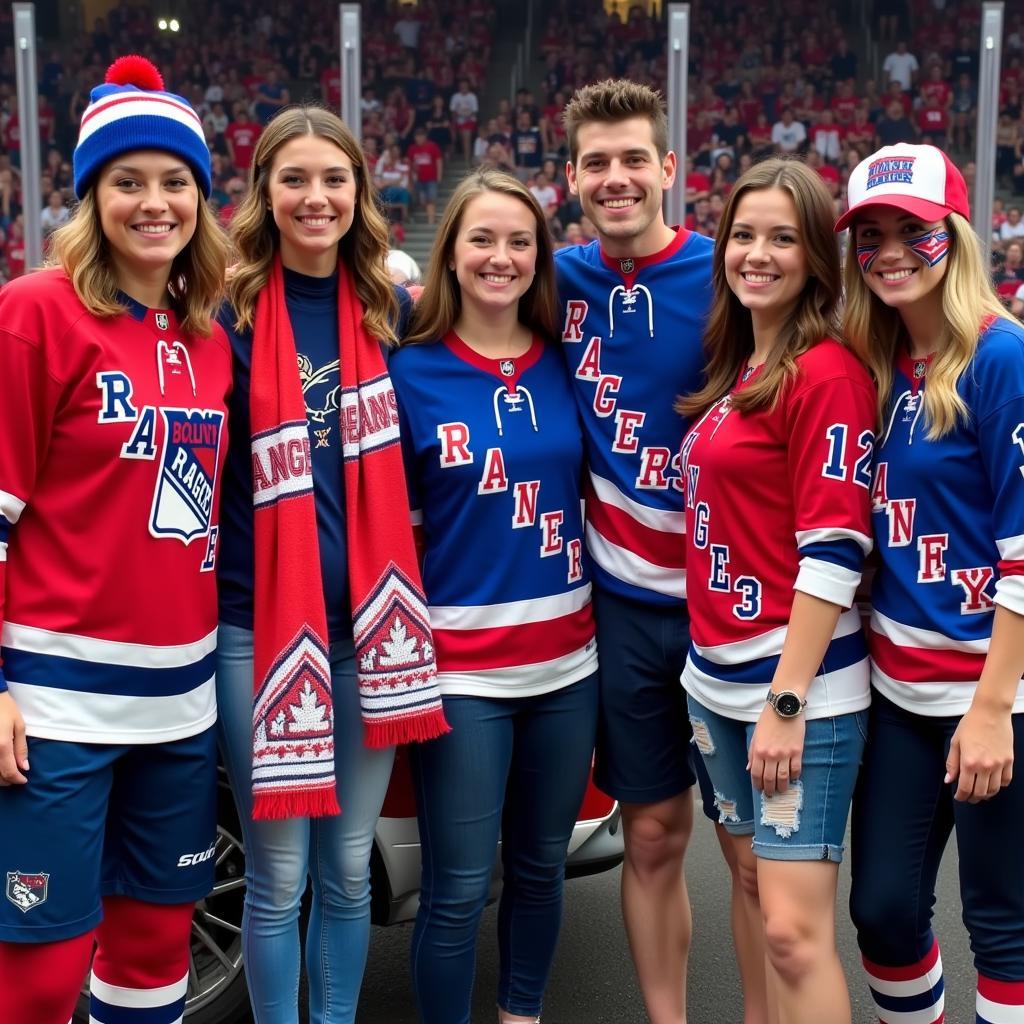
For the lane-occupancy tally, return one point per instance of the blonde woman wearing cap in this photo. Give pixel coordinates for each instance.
(112, 440)
(947, 626)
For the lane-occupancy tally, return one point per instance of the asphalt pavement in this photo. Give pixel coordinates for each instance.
(592, 981)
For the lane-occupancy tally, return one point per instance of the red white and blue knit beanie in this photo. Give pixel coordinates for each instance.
(132, 111)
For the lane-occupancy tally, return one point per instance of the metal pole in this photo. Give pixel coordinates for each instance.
(529, 34)
(988, 111)
(28, 122)
(351, 69)
(678, 73)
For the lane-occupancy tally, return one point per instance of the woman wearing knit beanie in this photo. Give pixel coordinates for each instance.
(112, 439)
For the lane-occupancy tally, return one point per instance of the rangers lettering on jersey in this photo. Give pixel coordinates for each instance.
(632, 340)
(110, 610)
(454, 438)
(497, 494)
(525, 493)
(575, 314)
(949, 515)
(774, 504)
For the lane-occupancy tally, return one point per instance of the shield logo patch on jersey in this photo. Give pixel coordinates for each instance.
(27, 891)
(183, 500)
(162, 321)
(508, 368)
(626, 266)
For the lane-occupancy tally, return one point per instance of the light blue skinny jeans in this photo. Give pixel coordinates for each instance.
(333, 852)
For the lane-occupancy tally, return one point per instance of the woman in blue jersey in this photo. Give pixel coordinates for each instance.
(947, 625)
(494, 459)
(320, 602)
(776, 469)
(115, 381)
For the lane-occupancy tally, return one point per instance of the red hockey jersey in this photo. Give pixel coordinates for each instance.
(778, 500)
(112, 438)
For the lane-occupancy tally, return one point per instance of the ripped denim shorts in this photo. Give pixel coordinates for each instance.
(808, 821)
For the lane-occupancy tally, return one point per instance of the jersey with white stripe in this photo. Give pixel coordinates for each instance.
(777, 500)
(494, 458)
(111, 448)
(949, 523)
(631, 337)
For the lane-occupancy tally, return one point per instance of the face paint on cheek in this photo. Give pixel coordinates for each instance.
(866, 256)
(930, 248)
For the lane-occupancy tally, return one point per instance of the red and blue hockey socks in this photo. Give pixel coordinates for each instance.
(140, 971)
(40, 982)
(1000, 1002)
(913, 994)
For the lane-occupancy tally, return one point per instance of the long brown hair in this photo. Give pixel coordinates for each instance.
(440, 305)
(363, 247)
(196, 284)
(729, 336)
(876, 331)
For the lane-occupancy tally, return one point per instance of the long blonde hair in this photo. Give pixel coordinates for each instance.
(440, 305)
(876, 332)
(729, 336)
(196, 284)
(363, 247)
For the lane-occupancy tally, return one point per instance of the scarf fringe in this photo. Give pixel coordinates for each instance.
(313, 803)
(417, 728)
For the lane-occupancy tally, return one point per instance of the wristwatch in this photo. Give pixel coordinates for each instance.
(786, 703)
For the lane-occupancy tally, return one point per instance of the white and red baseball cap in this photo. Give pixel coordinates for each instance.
(920, 180)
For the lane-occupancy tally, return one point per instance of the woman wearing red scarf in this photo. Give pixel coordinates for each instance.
(325, 658)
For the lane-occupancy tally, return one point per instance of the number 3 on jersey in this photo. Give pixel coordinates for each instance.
(836, 466)
(747, 588)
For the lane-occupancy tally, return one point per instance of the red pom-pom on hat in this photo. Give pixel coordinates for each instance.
(135, 70)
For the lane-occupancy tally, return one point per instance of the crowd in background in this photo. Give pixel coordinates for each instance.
(760, 85)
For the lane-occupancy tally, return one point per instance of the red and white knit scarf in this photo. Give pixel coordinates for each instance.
(293, 718)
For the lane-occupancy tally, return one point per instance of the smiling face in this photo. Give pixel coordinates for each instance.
(765, 260)
(902, 260)
(495, 253)
(312, 195)
(620, 180)
(148, 204)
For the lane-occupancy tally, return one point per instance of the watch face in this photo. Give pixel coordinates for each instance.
(788, 705)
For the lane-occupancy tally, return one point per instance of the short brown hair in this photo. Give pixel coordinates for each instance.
(616, 99)
(440, 305)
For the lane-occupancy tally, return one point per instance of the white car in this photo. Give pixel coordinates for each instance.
(216, 986)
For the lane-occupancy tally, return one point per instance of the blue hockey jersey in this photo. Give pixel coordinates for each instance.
(632, 339)
(949, 524)
(494, 458)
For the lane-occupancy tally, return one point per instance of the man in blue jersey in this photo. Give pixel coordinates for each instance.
(634, 304)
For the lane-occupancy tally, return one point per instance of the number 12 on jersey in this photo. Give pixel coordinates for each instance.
(836, 466)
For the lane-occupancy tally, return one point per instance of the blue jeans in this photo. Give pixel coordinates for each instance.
(808, 821)
(518, 768)
(903, 814)
(280, 855)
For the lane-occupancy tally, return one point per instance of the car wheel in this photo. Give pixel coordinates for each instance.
(217, 991)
